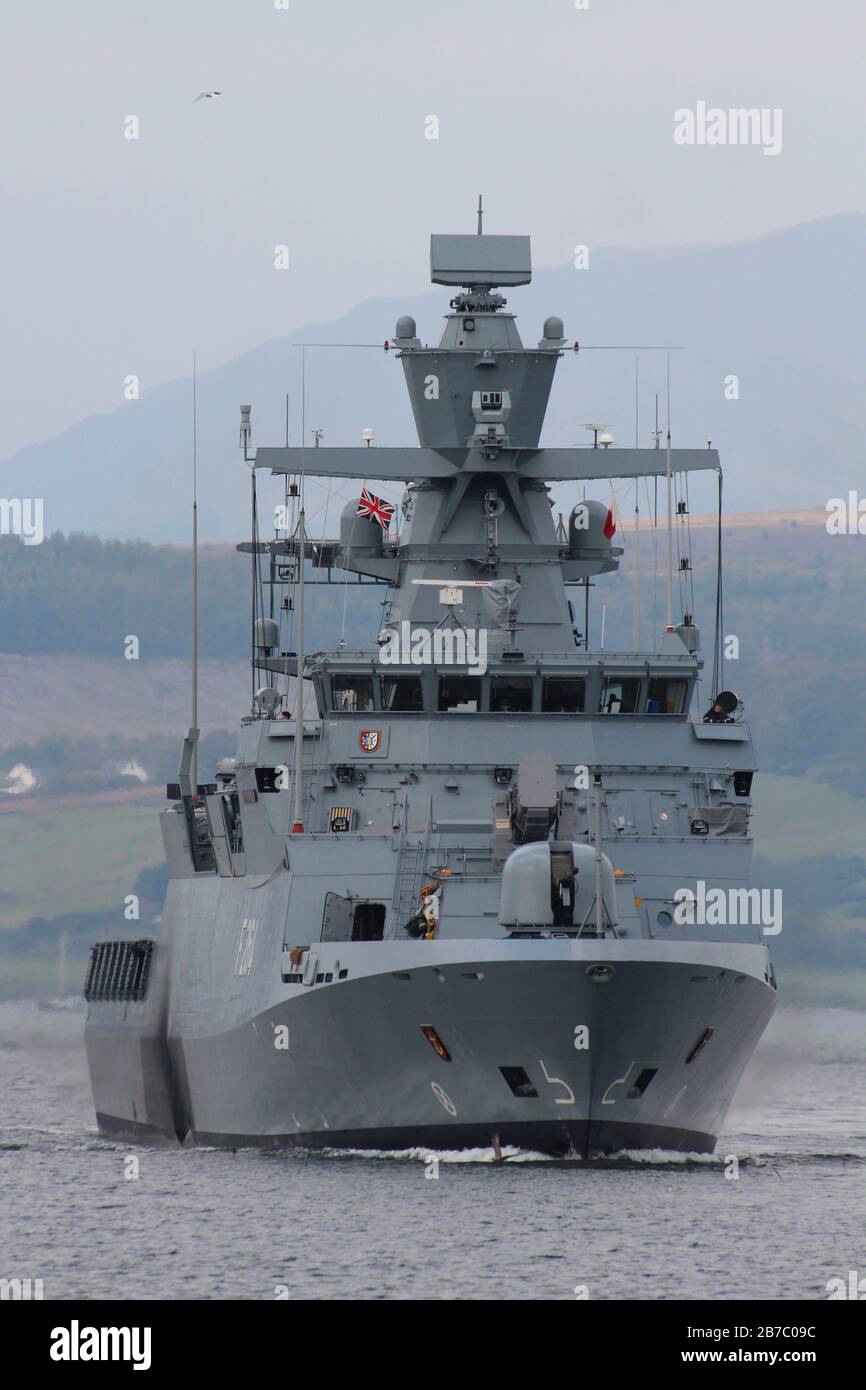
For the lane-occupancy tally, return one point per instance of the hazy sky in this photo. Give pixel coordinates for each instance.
(120, 256)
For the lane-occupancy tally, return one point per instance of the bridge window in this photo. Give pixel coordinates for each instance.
(352, 694)
(619, 695)
(511, 695)
(402, 694)
(563, 696)
(459, 694)
(665, 696)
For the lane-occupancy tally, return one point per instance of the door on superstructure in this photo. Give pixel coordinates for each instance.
(368, 923)
(337, 918)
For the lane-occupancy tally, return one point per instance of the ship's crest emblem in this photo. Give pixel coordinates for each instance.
(369, 740)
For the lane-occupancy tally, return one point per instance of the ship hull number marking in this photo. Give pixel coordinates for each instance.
(246, 946)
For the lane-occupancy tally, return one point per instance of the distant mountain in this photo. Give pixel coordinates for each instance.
(784, 313)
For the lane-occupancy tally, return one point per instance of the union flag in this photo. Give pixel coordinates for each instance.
(375, 508)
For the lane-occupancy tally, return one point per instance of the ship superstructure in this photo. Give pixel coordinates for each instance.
(444, 906)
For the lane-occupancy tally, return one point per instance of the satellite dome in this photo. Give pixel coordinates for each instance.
(266, 634)
(405, 327)
(553, 327)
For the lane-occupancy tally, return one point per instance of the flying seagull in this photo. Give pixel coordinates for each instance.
(207, 94)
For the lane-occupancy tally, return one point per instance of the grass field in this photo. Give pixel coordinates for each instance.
(73, 859)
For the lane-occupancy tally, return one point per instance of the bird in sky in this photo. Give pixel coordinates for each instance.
(207, 94)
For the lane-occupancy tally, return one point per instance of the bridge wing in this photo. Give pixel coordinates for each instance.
(402, 464)
(565, 465)
(549, 465)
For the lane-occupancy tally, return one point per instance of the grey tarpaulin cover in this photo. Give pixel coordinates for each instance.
(502, 597)
(723, 820)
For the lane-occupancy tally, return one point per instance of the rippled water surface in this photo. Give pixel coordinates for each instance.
(214, 1224)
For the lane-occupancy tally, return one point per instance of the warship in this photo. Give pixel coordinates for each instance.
(447, 890)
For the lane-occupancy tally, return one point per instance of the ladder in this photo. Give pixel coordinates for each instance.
(407, 883)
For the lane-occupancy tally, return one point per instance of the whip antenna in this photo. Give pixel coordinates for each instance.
(194, 762)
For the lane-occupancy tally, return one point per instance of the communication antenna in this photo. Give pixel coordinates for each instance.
(480, 214)
(596, 429)
(286, 486)
(194, 761)
(670, 574)
(635, 613)
(657, 434)
(599, 864)
(298, 773)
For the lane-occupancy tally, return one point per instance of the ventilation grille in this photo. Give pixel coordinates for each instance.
(118, 970)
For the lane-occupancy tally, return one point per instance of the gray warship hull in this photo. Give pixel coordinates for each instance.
(444, 909)
(345, 1063)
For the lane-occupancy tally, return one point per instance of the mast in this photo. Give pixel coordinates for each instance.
(635, 612)
(488, 438)
(298, 772)
(670, 573)
(194, 722)
(599, 863)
